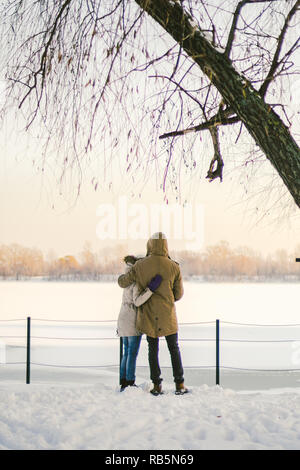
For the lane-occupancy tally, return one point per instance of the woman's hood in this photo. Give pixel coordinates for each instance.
(157, 245)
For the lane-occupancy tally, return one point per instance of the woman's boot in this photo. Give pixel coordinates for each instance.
(131, 383)
(124, 384)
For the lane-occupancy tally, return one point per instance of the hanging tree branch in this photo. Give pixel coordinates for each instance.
(43, 63)
(263, 124)
(217, 172)
(74, 60)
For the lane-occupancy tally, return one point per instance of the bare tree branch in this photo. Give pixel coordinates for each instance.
(235, 19)
(236, 90)
(217, 172)
(42, 70)
(217, 120)
(80, 72)
(233, 27)
(276, 62)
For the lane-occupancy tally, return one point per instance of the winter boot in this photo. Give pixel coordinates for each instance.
(180, 389)
(156, 390)
(124, 384)
(131, 383)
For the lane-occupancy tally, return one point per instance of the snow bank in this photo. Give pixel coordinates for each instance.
(71, 417)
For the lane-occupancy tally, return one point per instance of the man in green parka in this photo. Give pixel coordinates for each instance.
(157, 317)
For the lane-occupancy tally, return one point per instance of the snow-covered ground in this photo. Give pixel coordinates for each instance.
(97, 416)
(68, 406)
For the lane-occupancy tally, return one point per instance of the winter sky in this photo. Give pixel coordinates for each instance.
(34, 214)
(251, 207)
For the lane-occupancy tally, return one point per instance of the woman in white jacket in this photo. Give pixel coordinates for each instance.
(133, 297)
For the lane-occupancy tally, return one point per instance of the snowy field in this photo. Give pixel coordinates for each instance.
(51, 416)
(74, 395)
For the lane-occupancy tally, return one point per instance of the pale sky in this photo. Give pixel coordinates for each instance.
(249, 208)
(33, 214)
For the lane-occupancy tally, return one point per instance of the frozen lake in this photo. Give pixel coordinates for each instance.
(74, 337)
(270, 303)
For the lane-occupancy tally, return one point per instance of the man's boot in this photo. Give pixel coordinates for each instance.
(180, 389)
(156, 390)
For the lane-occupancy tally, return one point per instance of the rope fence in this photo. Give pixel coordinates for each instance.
(217, 339)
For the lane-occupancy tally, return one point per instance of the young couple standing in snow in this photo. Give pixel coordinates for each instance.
(151, 286)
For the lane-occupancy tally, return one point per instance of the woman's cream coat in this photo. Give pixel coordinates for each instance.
(132, 298)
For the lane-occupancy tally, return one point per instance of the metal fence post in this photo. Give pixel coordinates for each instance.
(28, 352)
(121, 355)
(217, 352)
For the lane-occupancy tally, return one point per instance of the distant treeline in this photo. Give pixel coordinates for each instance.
(215, 262)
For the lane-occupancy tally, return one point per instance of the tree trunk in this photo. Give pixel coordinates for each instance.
(264, 125)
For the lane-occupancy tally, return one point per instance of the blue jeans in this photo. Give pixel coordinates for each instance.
(131, 346)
